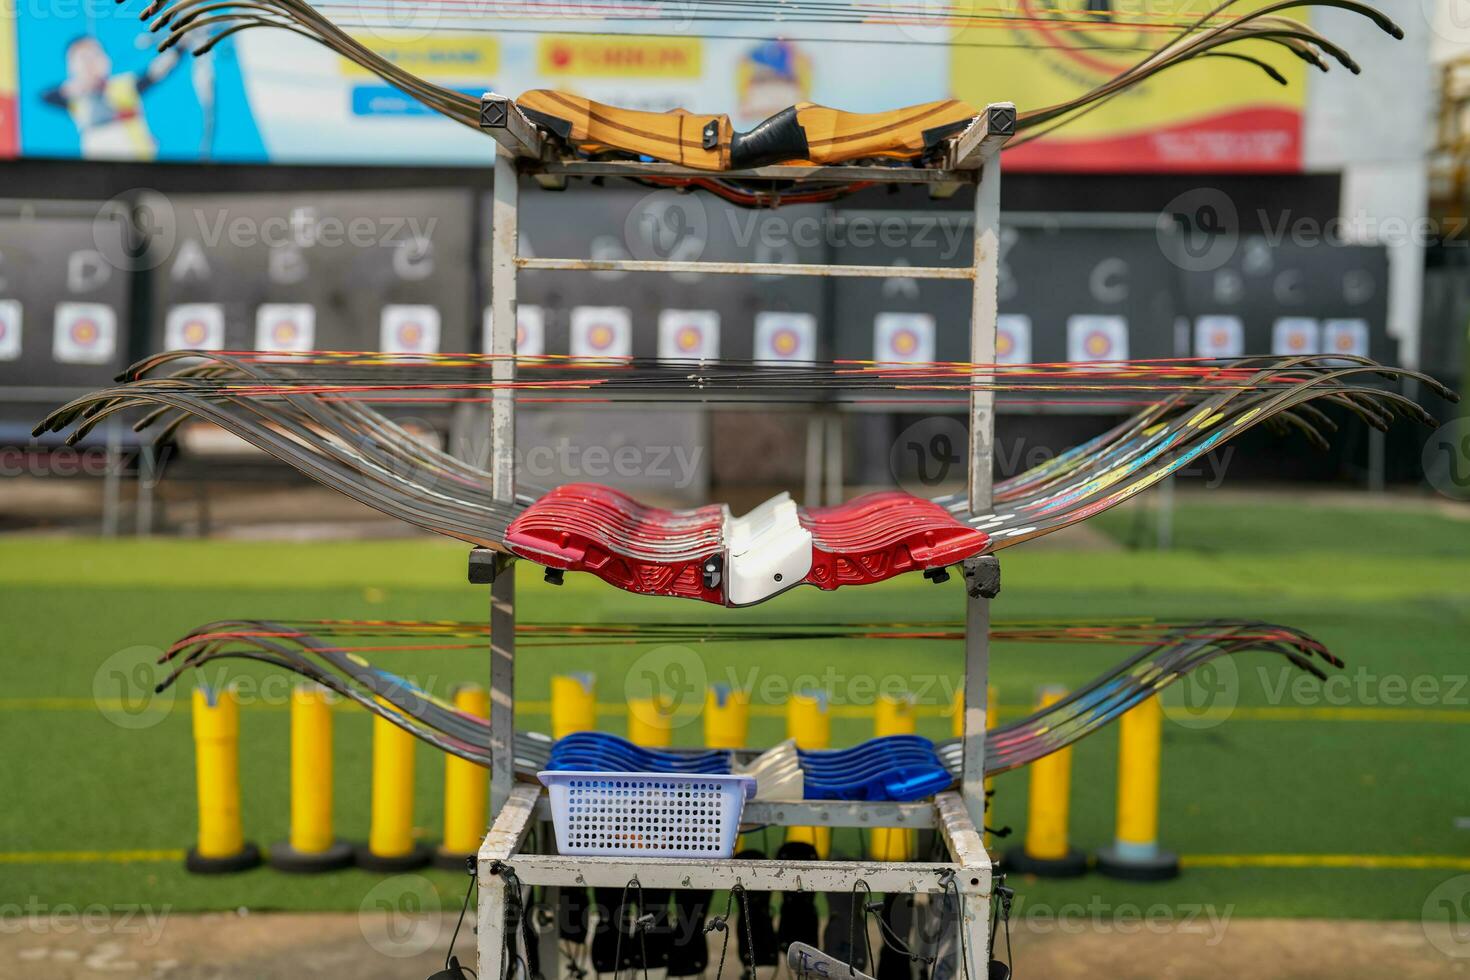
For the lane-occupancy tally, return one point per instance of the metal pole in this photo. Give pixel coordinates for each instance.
(1164, 516)
(811, 496)
(146, 478)
(504, 236)
(1375, 461)
(984, 305)
(112, 481)
(834, 450)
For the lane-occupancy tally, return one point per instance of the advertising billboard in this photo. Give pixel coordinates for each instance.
(1211, 115)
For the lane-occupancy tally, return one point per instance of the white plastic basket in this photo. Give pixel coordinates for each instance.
(646, 814)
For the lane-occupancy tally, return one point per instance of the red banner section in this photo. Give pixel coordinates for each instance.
(1250, 140)
(9, 131)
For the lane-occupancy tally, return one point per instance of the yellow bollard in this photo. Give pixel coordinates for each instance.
(1135, 854)
(1046, 852)
(221, 846)
(651, 722)
(893, 716)
(391, 846)
(808, 722)
(466, 793)
(726, 717)
(312, 845)
(573, 704)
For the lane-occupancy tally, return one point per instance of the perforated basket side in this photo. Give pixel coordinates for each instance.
(654, 815)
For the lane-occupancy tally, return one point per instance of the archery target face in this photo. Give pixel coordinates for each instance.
(194, 326)
(602, 331)
(409, 330)
(1345, 337)
(1295, 335)
(785, 337)
(84, 333)
(1013, 339)
(1219, 336)
(530, 331)
(9, 329)
(903, 337)
(285, 327)
(1097, 338)
(686, 334)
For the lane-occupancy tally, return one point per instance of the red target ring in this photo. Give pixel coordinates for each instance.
(601, 336)
(84, 332)
(688, 339)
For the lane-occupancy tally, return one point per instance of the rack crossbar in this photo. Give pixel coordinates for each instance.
(749, 268)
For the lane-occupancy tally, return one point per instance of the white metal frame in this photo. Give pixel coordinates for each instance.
(973, 158)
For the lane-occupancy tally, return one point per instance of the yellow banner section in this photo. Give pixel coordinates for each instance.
(1213, 113)
(449, 55)
(9, 127)
(572, 56)
(7, 51)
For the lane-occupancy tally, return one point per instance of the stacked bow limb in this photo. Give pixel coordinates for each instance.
(1164, 439)
(313, 411)
(1106, 698)
(344, 444)
(590, 528)
(800, 134)
(708, 554)
(880, 535)
(333, 653)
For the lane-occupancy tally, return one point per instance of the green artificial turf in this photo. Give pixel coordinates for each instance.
(92, 765)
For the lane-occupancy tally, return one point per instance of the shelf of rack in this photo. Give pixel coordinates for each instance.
(971, 158)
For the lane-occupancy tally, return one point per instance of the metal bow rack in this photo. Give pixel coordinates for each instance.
(971, 158)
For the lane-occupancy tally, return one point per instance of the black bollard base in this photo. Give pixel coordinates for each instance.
(249, 857)
(451, 860)
(1162, 866)
(1073, 864)
(284, 857)
(417, 858)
